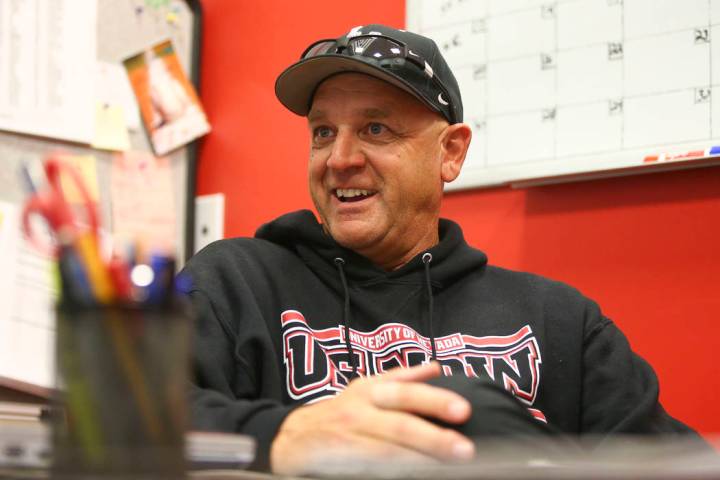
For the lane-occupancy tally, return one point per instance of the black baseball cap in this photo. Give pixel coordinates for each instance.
(407, 60)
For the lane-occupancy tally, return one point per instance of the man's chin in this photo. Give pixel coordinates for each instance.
(353, 237)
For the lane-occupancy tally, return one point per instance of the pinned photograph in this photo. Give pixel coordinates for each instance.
(169, 105)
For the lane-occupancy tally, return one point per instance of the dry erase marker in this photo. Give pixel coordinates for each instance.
(651, 158)
(691, 155)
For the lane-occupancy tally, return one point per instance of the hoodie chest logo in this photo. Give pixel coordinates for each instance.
(317, 361)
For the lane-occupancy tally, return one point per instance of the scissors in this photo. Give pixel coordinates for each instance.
(73, 235)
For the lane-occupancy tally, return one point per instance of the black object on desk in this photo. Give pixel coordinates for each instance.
(124, 374)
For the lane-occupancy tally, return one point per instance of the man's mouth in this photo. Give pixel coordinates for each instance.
(353, 194)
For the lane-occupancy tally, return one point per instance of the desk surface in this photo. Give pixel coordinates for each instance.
(640, 458)
(701, 468)
(475, 472)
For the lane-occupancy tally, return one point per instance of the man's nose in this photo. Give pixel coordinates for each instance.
(346, 152)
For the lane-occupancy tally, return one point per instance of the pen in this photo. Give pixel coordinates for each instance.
(98, 275)
(119, 273)
(691, 155)
(76, 288)
(160, 289)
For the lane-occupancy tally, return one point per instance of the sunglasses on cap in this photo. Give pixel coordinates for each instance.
(385, 52)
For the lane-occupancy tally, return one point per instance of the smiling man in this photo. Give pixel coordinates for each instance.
(378, 161)
(326, 339)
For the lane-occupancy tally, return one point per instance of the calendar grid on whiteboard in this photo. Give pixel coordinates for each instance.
(575, 86)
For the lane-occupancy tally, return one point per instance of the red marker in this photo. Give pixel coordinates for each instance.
(120, 277)
(693, 154)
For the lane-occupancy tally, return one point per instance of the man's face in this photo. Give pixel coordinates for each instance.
(375, 168)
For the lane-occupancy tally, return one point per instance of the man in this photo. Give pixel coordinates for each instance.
(300, 329)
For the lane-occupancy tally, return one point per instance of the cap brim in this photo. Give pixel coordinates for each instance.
(296, 86)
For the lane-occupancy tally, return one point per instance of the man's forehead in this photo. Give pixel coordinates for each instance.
(367, 112)
(363, 95)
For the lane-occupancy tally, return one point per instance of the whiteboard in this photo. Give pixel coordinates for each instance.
(573, 87)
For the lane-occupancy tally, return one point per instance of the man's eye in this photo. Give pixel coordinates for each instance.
(376, 128)
(322, 132)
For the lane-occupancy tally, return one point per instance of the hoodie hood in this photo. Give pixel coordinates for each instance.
(451, 259)
(301, 233)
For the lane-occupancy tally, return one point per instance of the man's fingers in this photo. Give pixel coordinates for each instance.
(418, 373)
(363, 451)
(376, 417)
(420, 435)
(421, 399)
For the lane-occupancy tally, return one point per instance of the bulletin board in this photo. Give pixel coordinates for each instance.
(124, 27)
(570, 89)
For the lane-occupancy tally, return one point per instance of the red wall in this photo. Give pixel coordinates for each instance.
(645, 247)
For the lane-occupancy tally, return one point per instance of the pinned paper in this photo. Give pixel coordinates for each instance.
(26, 312)
(87, 168)
(169, 105)
(111, 132)
(143, 203)
(113, 88)
(48, 50)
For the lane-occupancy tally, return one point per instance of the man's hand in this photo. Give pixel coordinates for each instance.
(375, 418)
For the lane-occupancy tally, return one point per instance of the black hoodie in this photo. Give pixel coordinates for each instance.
(273, 312)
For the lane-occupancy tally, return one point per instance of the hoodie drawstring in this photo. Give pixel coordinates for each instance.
(427, 258)
(339, 262)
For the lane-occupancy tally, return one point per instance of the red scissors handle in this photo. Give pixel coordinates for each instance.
(57, 211)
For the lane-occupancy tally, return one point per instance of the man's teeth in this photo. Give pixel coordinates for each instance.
(352, 192)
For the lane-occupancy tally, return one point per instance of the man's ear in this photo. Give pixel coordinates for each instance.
(455, 143)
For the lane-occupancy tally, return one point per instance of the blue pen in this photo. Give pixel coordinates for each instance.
(714, 151)
(76, 288)
(160, 290)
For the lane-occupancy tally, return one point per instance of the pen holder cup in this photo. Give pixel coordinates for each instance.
(123, 376)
